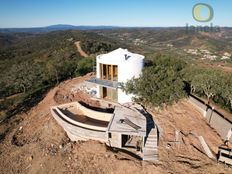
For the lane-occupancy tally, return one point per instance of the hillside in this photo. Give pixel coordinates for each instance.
(179, 37)
(33, 142)
(39, 70)
(30, 64)
(174, 40)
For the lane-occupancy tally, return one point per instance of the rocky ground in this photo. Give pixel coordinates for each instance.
(35, 143)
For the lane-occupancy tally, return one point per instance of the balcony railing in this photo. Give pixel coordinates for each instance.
(106, 83)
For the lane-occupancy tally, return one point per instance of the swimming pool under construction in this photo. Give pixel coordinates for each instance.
(129, 128)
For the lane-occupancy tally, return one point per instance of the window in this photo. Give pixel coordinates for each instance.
(109, 93)
(109, 72)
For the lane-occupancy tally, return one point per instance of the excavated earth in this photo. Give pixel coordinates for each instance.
(33, 142)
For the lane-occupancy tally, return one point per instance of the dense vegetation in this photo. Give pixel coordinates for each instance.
(30, 64)
(167, 79)
(85, 66)
(92, 47)
(213, 84)
(161, 82)
(158, 38)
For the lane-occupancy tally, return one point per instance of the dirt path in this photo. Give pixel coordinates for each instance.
(10, 97)
(79, 49)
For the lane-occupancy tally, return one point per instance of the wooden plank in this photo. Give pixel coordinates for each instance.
(101, 70)
(116, 72)
(112, 76)
(107, 72)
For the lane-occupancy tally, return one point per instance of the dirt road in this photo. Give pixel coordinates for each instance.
(79, 49)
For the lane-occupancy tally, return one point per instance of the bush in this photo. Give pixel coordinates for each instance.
(161, 83)
(84, 66)
(213, 84)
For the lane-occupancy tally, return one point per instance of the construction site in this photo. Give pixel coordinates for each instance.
(123, 124)
(117, 121)
(39, 144)
(85, 125)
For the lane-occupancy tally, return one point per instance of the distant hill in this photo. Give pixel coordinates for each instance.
(145, 39)
(58, 27)
(155, 39)
(32, 63)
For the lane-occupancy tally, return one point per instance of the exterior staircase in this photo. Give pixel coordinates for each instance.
(150, 150)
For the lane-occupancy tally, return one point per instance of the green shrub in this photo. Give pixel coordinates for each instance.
(84, 66)
(160, 83)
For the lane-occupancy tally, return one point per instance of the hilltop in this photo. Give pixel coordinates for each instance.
(35, 143)
(38, 70)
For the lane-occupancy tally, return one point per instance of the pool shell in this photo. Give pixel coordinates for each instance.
(74, 116)
(84, 123)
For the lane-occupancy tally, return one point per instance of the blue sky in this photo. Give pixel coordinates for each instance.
(36, 13)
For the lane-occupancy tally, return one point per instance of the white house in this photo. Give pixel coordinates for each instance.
(114, 68)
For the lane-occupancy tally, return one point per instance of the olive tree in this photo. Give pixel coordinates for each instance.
(227, 89)
(208, 81)
(160, 83)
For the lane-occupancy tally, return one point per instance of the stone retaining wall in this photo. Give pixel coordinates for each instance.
(217, 121)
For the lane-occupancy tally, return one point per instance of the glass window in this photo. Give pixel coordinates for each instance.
(109, 72)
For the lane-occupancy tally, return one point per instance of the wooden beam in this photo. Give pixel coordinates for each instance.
(112, 75)
(116, 72)
(101, 71)
(107, 72)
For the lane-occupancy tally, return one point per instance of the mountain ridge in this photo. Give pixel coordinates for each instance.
(56, 27)
(60, 27)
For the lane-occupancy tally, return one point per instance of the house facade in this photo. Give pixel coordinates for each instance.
(113, 69)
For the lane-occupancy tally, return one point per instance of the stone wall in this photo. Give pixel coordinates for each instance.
(198, 104)
(216, 120)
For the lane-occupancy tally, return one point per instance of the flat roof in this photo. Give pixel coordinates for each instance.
(128, 121)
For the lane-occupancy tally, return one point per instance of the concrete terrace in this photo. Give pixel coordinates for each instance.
(126, 128)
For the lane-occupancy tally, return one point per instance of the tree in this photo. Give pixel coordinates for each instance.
(84, 66)
(160, 83)
(189, 74)
(24, 76)
(52, 72)
(207, 81)
(227, 89)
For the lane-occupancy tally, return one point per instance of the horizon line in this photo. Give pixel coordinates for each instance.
(116, 26)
